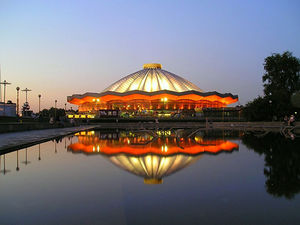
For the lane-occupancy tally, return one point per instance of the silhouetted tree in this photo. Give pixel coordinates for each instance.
(258, 110)
(281, 80)
(295, 99)
(51, 112)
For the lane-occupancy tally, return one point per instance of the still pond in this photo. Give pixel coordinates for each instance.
(153, 177)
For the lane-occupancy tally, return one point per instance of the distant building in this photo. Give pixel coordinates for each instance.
(151, 91)
(8, 109)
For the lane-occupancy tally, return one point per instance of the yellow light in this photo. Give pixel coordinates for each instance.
(98, 100)
(165, 99)
(82, 116)
(162, 100)
(94, 148)
(70, 116)
(77, 116)
(94, 99)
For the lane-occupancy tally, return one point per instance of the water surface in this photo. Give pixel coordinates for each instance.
(149, 177)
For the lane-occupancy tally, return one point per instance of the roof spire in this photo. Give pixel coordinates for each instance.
(152, 66)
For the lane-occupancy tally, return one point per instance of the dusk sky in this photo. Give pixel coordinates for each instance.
(60, 48)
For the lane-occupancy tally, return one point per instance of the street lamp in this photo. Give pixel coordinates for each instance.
(39, 103)
(17, 168)
(55, 109)
(270, 102)
(26, 90)
(18, 101)
(4, 84)
(39, 152)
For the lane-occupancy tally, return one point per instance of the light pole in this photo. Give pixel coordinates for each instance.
(270, 101)
(17, 168)
(26, 158)
(39, 103)
(39, 152)
(18, 102)
(55, 102)
(4, 84)
(0, 86)
(26, 90)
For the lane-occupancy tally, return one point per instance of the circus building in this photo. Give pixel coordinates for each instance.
(147, 155)
(151, 90)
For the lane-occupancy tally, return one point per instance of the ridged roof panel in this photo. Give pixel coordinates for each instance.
(150, 80)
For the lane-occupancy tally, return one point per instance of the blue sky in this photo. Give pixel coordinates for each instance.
(58, 48)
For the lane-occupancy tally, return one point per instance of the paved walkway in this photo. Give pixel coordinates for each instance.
(17, 140)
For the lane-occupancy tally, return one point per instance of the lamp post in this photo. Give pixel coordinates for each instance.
(55, 102)
(0, 86)
(270, 102)
(223, 114)
(17, 168)
(39, 152)
(26, 90)
(239, 108)
(26, 162)
(4, 171)
(18, 100)
(4, 84)
(39, 103)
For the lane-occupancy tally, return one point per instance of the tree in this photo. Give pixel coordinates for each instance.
(51, 112)
(282, 74)
(281, 81)
(295, 99)
(258, 110)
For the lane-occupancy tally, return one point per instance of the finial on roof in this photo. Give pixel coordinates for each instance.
(152, 66)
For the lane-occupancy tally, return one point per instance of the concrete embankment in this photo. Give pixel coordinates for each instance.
(18, 140)
(273, 126)
(276, 126)
(17, 126)
(151, 125)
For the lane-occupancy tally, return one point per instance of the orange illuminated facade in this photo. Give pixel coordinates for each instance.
(151, 89)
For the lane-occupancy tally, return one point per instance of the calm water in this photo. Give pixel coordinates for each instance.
(118, 177)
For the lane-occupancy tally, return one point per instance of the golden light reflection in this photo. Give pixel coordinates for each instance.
(146, 156)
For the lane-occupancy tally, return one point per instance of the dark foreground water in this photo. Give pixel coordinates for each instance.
(118, 177)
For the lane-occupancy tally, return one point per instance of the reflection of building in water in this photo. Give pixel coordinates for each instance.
(153, 167)
(152, 155)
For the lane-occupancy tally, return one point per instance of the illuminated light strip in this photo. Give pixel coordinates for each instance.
(194, 97)
(163, 150)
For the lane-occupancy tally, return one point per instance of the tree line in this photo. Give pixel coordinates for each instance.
(281, 82)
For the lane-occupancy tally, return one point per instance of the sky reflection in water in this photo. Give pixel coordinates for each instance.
(110, 177)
